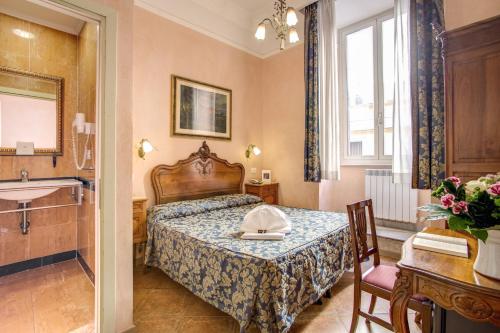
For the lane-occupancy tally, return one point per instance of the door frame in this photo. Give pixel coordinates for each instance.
(106, 157)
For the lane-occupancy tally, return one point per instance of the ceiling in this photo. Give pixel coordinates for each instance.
(29, 11)
(230, 21)
(234, 21)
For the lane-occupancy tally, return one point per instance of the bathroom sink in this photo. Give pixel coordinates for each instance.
(27, 191)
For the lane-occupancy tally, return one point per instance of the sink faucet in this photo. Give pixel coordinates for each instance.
(24, 175)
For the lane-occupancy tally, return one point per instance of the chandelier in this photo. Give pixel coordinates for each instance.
(283, 22)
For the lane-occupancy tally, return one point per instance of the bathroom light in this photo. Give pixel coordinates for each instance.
(252, 149)
(293, 36)
(291, 17)
(261, 32)
(23, 33)
(144, 148)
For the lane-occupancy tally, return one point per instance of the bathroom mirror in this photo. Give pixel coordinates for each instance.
(31, 109)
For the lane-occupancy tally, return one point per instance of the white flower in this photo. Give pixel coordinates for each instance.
(475, 185)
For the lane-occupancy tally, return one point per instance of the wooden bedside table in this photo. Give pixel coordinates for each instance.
(140, 235)
(267, 192)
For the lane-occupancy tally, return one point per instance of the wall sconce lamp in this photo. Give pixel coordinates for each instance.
(252, 149)
(144, 147)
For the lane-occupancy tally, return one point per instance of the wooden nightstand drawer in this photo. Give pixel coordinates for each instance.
(267, 192)
(253, 190)
(139, 220)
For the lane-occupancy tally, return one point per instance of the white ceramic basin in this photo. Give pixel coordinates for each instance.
(27, 191)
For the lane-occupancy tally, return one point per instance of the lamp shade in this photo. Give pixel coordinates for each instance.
(291, 17)
(252, 149)
(293, 36)
(260, 34)
(144, 147)
(256, 151)
(147, 146)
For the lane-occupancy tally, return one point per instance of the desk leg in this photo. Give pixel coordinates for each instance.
(399, 302)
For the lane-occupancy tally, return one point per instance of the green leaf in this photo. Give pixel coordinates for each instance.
(461, 192)
(479, 234)
(497, 201)
(459, 223)
(450, 187)
(439, 192)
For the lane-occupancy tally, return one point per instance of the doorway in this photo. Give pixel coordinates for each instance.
(92, 136)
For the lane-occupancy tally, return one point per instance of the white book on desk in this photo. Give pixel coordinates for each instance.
(443, 244)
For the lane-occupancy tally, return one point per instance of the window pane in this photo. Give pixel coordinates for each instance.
(360, 96)
(388, 72)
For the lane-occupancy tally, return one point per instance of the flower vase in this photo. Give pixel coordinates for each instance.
(488, 256)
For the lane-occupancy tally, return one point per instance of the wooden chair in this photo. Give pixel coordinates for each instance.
(379, 279)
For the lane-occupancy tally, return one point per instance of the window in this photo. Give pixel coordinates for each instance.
(367, 90)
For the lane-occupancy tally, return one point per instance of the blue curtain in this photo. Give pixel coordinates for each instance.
(427, 93)
(312, 170)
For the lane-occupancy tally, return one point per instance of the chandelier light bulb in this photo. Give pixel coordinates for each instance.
(260, 34)
(293, 36)
(291, 17)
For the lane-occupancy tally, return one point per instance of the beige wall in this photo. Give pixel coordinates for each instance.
(51, 231)
(283, 127)
(463, 12)
(163, 48)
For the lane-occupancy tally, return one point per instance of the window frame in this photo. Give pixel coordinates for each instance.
(378, 90)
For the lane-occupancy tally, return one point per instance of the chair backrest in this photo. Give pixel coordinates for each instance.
(358, 223)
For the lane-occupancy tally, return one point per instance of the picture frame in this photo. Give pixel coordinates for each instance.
(200, 109)
(266, 177)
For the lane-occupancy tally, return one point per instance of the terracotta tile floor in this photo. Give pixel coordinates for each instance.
(55, 298)
(162, 305)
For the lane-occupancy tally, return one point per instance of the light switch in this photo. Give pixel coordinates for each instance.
(253, 171)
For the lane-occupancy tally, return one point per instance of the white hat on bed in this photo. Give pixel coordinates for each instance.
(266, 219)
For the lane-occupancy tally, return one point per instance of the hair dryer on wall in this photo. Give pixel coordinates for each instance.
(81, 127)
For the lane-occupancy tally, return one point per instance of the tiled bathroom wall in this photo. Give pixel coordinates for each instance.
(87, 69)
(51, 52)
(57, 230)
(51, 231)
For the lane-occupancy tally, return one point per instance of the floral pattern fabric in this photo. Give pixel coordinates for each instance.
(265, 282)
(312, 168)
(191, 207)
(428, 94)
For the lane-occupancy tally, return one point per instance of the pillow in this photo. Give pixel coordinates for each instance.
(192, 207)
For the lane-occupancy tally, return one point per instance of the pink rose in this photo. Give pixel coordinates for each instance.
(447, 200)
(455, 180)
(460, 207)
(494, 189)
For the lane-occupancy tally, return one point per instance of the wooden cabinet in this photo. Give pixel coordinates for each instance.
(139, 220)
(268, 192)
(472, 85)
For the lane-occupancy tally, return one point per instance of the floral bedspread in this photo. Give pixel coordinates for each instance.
(266, 282)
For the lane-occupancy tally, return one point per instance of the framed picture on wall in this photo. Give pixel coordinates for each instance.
(200, 109)
(266, 176)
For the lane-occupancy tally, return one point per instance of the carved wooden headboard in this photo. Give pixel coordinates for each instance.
(201, 175)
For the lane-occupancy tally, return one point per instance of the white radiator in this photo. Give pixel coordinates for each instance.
(396, 202)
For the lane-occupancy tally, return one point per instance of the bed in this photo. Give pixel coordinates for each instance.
(193, 236)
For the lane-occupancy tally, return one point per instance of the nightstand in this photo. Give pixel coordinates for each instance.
(140, 235)
(267, 192)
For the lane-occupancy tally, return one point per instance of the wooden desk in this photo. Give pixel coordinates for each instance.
(447, 280)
